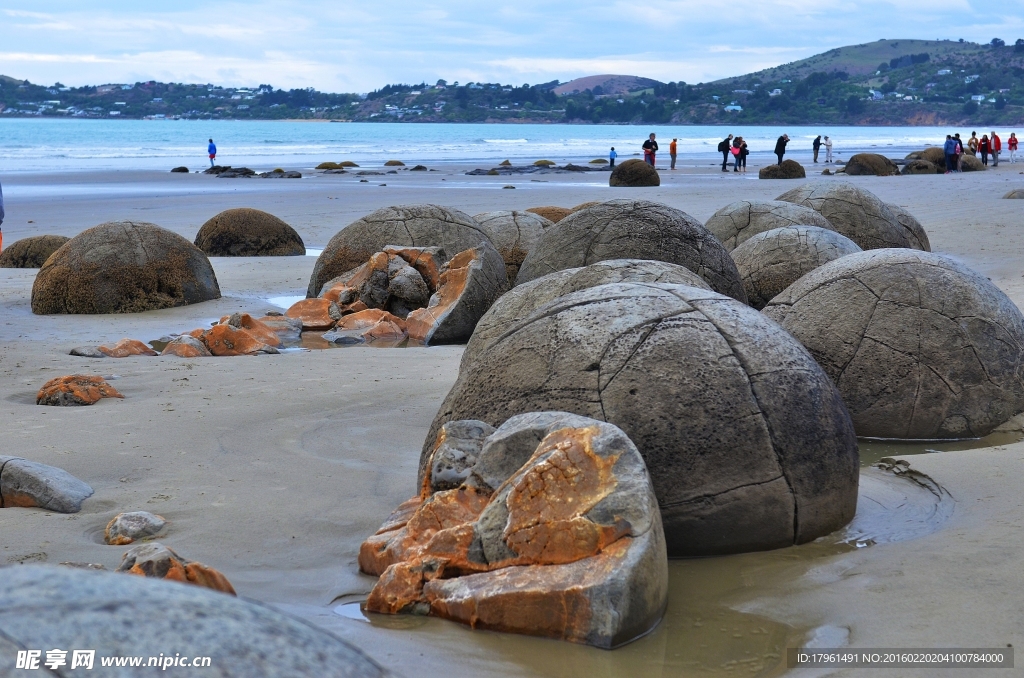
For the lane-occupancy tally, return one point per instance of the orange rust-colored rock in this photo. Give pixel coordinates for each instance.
(76, 389)
(554, 214)
(315, 314)
(227, 340)
(127, 347)
(371, 324)
(158, 561)
(187, 346)
(256, 328)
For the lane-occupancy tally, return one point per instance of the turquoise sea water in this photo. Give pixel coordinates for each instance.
(45, 144)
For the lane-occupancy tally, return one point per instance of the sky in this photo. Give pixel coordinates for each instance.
(346, 46)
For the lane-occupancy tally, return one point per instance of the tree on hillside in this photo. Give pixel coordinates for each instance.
(996, 42)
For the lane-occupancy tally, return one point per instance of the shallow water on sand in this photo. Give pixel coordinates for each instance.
(873, 449)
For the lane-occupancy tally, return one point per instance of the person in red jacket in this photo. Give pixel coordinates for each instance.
(997, 147)
(1011, 144)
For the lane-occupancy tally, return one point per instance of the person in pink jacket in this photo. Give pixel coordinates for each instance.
(997, 147)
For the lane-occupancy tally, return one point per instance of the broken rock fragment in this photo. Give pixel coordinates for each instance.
(315, 314)
(27, 483)
(156, 560)
(126, 347)
(75, 389)
(125, 528)
(186, 346)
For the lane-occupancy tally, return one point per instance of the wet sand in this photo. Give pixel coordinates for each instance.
(273, 469)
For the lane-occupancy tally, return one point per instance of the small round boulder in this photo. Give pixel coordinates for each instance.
(31, 252)
(789, 169)
(633, 229)
(738, 221)
(933, 154)
(772, 261)
(123, 267)
(245, 232)
(634, 173)
(871, 164)
(919, 166)
(514, 234)
(1015, 194)
(919, 345)
(852, 211)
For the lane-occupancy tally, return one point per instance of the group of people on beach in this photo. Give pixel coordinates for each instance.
(987, 145)
(732, 148)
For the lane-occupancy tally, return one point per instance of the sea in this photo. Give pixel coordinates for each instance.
(47, 145)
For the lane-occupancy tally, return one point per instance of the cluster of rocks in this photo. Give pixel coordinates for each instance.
(227, 172)
(540, 167)
(932, 160)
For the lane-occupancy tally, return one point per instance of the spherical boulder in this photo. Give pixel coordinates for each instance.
(871, 164)
(933, 154)
(912, 228)
(921, 167)
(747, 441)
(514, 234)
(551, 213)
(524, 299)
(970, 163)
(772, 261)
(789, 169)
(1015, 194)
(634, 173)
(245, 232)
(919, 345)
(409, 225)
(31, 252)
(738, 221)
(123, 267)
(633, 229)
(852, 211)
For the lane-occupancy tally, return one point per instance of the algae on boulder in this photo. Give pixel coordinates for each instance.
(634, 173)
(245, 232)
(871, 164)
(789, 169)
(921, 166)
(31, 252)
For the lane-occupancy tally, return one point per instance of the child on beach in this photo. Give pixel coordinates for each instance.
(1011, 144)
(212, 150)
(611, 157)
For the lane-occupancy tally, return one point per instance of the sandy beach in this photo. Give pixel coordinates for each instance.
(273, 469)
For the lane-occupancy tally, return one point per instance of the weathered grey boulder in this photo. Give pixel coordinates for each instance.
(912, 228)
(31, 252)
(513, 234)
(407, 225)
(522, 300)
(46, 607)
(738, 221)
(871, 164)
(31, 484)
(633, 229)
(634, 173)
(246, 232)
(1015, 194)
(747, 441)
(771, 261)
(852, 211)
(124, 528)
(919, 345)
(455, 453)
(123, 267)
(88, 352)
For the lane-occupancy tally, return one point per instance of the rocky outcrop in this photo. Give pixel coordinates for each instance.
(245, 232)
(513, 234)
(397, 279)
(789, 169)
(180, 170)
(29, 484)
(852, 211)
(156, 560)
(125, 528)
(871, 164)
(76, 389)
(634, 173)
(738, 221)
(31, 252)
(550, 528)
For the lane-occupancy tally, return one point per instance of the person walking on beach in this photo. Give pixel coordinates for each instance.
(611, 157)
(959, 152)
(672, 153)
(973, 142)
(983, 148)
(828, 150)
(997, 147)
(1011, 145)
(723, 147)
(816, 145)
(212, 150)
(780, 146)
(650, 150)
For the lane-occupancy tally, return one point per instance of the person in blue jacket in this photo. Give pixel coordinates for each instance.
(611, 157)
(212, 150)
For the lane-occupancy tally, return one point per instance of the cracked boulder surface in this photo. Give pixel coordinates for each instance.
(634, 229)
(31, 252)
(523, 300)
(513, 234)
(552, 213)
(634, 173)
(47, 606)
(1015, 194)
(153, 559)
(75, 389)
(370, 325)
(919, 345)
(247, 232)
(852, 211)
(747, 440)
(912, 228)
(123, 267)
(547, 526)
(469, 284)
(771, 261)
(871, 164)
(406, 226)
(741, 220)
(397, 279)
(29, 484)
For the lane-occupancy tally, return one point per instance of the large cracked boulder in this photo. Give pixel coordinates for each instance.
(912, 228)
(31, 252)
(747, 441)
(123, 267)
(547, 526)
(408, 225)
(871, 164)
(789, 169)
(919, 345)
(30, 484)
(633, 229)
(772, 261)
(45, 606)
(246, 232)
(522, 300)
(634, 174)
(852, 211)
(513, 234)
(738, 221)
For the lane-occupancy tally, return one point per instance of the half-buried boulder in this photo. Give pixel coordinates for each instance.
(551, 213)
(1015, 194)
(912, 228)
(772, 261)
(789, 169)
(125, 528)
(156, 560)
(554, 531)
(871, 164)
(513, 234)
(933, 154)
(634, 173)
(30, 484)
(245, 232)
(126, 347)
(123, 267)
(409, 225)
(971, 163)
(633, 229)
(919, 345)
(738, 221)
(31, 252)
(914, 167)
(852, 211)
(747, 441)
(75, 389)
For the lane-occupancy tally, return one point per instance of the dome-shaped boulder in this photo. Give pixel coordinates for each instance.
(747, 441)
(31, 252)
(971, 163)
(633, 229)
(738, 221)
(871, 164)
(919, 345)
(523, 300)
(921, 166)
(513, 234)
(634, 173)
(789, 169)
(123, 267)
(852, 211)
(1015, 194)
(933, 154)
(912, 228)
(245, 232)
(772, 261)
(408, 225)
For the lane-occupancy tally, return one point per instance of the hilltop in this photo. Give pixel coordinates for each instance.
(606, 84)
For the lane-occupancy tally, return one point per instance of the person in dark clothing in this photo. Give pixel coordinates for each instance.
(737, 144)
(650, 150)
(816, 145)
(1, 218)
(780, 146)
(984, 146)
(725, 147)
(949, 150)
(744, 152)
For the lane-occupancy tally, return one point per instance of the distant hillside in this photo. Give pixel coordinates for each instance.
(606, 84)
